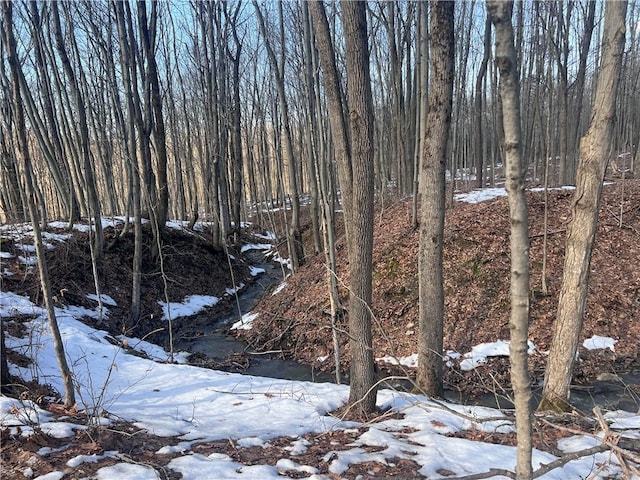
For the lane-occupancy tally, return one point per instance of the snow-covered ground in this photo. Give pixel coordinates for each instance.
(197, 405)
(193, 405)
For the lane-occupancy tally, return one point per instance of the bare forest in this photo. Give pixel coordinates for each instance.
(350, 136)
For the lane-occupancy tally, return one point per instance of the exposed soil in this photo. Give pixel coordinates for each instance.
(296, 323)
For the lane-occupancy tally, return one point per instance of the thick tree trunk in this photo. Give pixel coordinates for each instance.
(432, 188)
(363, 391)
(519, 240)
(594, 156)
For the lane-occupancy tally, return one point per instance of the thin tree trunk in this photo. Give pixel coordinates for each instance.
(342, 149)
(23, 149)
(296, 251)
(479, 118)
(127, 63)
(89, 178)
(507, 63)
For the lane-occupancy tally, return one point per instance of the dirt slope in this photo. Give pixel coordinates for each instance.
(476, 269)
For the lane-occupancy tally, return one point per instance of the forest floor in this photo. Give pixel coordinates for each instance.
(476, 285)
(294, 323)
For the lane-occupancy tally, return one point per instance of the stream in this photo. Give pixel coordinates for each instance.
(208, 339)
(214, 343)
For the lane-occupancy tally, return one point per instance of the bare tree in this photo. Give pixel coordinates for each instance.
(83, 126)
(129, 79)
(594, 154)
(432, 188)
(23, 149)
(355, 163)
(479, 112)
(507, 63)
(296, 251)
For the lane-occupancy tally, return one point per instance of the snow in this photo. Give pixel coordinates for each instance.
(279, 288)
(255, 271)
(199, 405)
(477, 356)
(564, 187)
(234, 290)
(246, 322)
(28, 260)
(106, 299)
(486, 194)
(479, 353)
(192, 405)
(189, 306)
(597, 342)
(411, 361)
(130, 471)
(256, 246)
(51, 476)
(477, 196)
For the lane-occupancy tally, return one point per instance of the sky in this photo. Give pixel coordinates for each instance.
(190, 405)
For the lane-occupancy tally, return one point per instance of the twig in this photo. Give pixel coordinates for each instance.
(490, 474)
(611, 440)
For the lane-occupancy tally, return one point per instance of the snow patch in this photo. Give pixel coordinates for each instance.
(106, 299)
(478, 354)
(597, 342)
(191, 305)
(246, 322)
(256, 246)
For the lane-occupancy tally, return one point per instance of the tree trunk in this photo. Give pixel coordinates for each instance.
(23, 149)
(362, 394)
(11, 205)
(432, 188)
(147, 28)
(296, 251)
(89, 178)
(342, 149)
(478, 114)
(594, 156)
(422, 103)
(507, 64)
(127, 63)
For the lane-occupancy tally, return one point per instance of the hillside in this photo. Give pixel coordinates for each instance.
(476, 270)
(293, 324)
(152, 404)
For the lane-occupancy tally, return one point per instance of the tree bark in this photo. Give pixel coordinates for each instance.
(89, 177)
(362, 395)
(507, 64)
(432, 188)
(479, 120)
(127, 64)
(594, 156)
(341, 146)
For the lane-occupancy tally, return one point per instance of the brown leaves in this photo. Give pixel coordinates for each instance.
(476, 276)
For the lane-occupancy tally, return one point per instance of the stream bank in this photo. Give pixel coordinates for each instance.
(206, 336)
